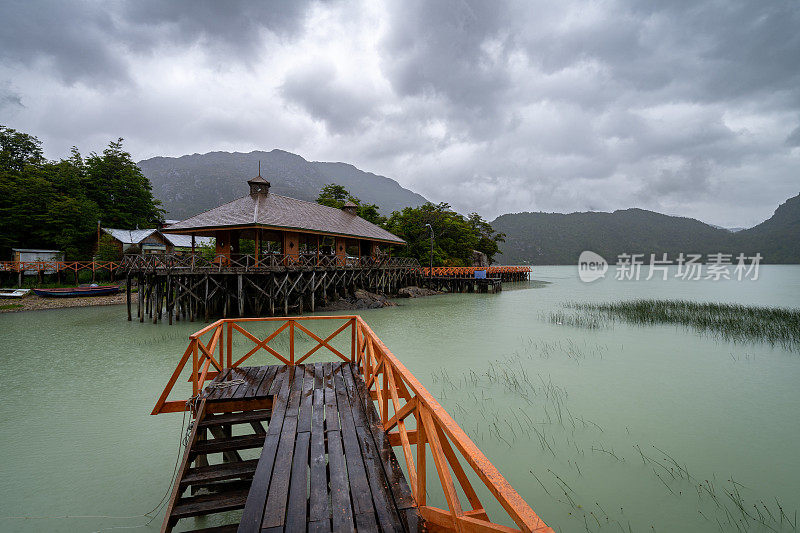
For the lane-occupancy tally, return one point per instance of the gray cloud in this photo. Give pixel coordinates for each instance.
(685, 107)
(318, 90)
(794, 138)
(80, 41)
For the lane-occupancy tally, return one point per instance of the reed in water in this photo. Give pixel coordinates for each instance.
(736, 322)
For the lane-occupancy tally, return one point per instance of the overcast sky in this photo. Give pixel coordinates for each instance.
(685, 107)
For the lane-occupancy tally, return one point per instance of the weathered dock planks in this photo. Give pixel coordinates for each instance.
(301, 447)
(321, 467)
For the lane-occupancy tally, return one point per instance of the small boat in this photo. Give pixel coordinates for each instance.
(13, 293)
(71, 292)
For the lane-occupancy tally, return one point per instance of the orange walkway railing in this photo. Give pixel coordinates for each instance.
(470, 271)
(411, 416)
(58, 266)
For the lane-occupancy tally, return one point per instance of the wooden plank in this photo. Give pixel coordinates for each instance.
(240, 442)
(281, 376)
(211, 473)
(293, 406)
(395, 476)
(318, 499)
(275, 507)
(278, 494)
(341, 512)
(230, 528)
(385, 508)
(254, 508)
(365, 523)
(319, 526)
(331, 413)
(306, 399)
(253, 382)
(359, 486)
(209, 503)
(297, 508)
(236, 418)
(383, 499)
(266, 382)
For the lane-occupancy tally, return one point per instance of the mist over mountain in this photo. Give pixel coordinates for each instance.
(191, 184)
(558, 239)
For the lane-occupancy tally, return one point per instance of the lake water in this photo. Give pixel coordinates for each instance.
(604, 416)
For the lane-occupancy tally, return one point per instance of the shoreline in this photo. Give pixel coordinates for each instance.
(362, 300)
(37, 303)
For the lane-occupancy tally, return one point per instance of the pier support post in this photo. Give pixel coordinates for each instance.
(241, 294)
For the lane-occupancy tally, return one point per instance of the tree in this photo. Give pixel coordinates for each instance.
(19, 150)
(488, 239)
(455, 236)
(57, 204)
(336, 196)
(333, 195)
(123, 193)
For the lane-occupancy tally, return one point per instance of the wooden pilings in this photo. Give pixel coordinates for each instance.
(458, 284)
(202, 295)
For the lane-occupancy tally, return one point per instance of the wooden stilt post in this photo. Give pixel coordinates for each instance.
(140, 299)
(314, 281)
(128, 294)
(205, 304)
(240, 292)
(170, 299)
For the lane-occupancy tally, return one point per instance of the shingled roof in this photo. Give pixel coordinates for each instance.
(274, 211)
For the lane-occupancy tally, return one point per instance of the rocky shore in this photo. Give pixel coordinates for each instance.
(35, 303)
(362, 299)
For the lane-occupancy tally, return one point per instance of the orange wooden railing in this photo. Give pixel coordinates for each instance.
(411, 416)
(470, 271)
(58, 266)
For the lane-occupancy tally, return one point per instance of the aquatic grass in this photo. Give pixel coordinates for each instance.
(734, 322)
(580, 320)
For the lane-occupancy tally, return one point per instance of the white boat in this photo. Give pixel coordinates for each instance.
(13, 293)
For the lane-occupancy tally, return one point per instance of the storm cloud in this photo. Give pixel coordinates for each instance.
(688, 108)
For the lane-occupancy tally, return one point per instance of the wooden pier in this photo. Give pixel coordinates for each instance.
(310, 446)
(462, 284)
(193, 288)
(501, 272)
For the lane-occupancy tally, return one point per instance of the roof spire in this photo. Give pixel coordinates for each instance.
(258, 185)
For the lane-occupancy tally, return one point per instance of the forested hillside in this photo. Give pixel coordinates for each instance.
(190, 184)
(556, 238)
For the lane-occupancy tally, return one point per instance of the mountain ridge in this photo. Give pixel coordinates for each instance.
(192, 183)
(559, 238)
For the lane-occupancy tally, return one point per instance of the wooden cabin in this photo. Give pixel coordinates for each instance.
(287, 228)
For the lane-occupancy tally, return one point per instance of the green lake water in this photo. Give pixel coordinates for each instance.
(77, 387)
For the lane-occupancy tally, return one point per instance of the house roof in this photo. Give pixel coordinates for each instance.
(130, 236)
(136, 236)
(276, 211)
(36, 250)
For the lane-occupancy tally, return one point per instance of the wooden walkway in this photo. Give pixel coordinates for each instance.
(325, 464)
